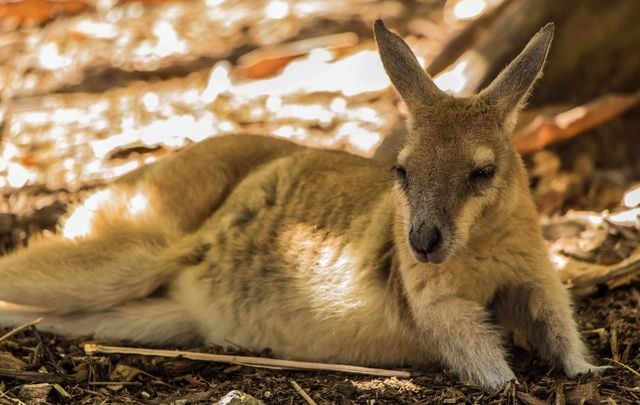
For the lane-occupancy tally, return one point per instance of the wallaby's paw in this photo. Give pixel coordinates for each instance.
(494, 379)
(584, 367)
(497, 383)
(599, 370)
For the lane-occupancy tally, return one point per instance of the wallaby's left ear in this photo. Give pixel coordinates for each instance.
(509, 91)
(412, 82)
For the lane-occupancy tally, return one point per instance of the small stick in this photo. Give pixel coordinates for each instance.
(584, 277)
(302, 393)
(560, 397)
(114, 383)
(546, 130)
(613, 342)
(15, 400)
(32, 376)
(19, 328)
(91, 348)
(624, 366)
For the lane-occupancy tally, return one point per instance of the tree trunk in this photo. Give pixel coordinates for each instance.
(596, 48)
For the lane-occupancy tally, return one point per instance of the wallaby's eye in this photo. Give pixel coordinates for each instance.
(482, 174)
(401, 175)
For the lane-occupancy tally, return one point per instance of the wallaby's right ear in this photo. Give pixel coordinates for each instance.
(509, 91)
(414, 85)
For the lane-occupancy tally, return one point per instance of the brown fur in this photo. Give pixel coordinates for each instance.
(262, 243)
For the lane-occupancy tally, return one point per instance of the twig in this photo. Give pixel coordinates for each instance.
(560, 397)
(624, 366)
(613, 342)
(302, 393)
(546, 130)
(114, 383)
(32, 376)
(248, 361)
(529, 399)
(63, 393)
(584, 278)
(19, 328)
(13, 400)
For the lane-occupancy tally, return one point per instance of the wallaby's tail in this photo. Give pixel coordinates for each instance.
(93, 274)
(152, 321)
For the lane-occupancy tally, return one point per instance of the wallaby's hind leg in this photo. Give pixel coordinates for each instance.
(185, 188)
(153, 321)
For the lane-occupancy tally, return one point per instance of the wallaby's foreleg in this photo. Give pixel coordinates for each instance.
(540, 311)
(466, 342)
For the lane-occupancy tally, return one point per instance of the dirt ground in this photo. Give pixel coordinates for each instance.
(62, 373)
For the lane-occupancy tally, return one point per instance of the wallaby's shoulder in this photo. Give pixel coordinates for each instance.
(312, 167)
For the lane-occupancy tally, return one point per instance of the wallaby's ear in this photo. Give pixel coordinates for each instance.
(414, 85)
(509, 91)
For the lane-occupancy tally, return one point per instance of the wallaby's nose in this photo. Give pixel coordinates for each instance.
(426, 239)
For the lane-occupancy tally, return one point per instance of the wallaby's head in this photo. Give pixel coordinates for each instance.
(458, 174)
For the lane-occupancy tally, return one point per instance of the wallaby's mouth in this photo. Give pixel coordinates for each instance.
(435, 258)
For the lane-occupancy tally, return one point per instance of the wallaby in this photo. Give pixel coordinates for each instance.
(321, 255)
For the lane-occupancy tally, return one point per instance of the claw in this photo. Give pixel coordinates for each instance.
(599, 370)
(588, 369)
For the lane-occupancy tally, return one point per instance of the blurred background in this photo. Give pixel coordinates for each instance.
(93, 89)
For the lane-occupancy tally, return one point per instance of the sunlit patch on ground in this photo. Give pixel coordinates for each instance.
(387, 383)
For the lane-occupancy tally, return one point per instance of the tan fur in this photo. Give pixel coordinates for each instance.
(483, 156)
(262, 243)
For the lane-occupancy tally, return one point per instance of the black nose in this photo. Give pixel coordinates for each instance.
(426, 239)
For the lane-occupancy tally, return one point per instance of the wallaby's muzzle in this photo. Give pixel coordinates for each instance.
(426, 242)
(430, 242)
